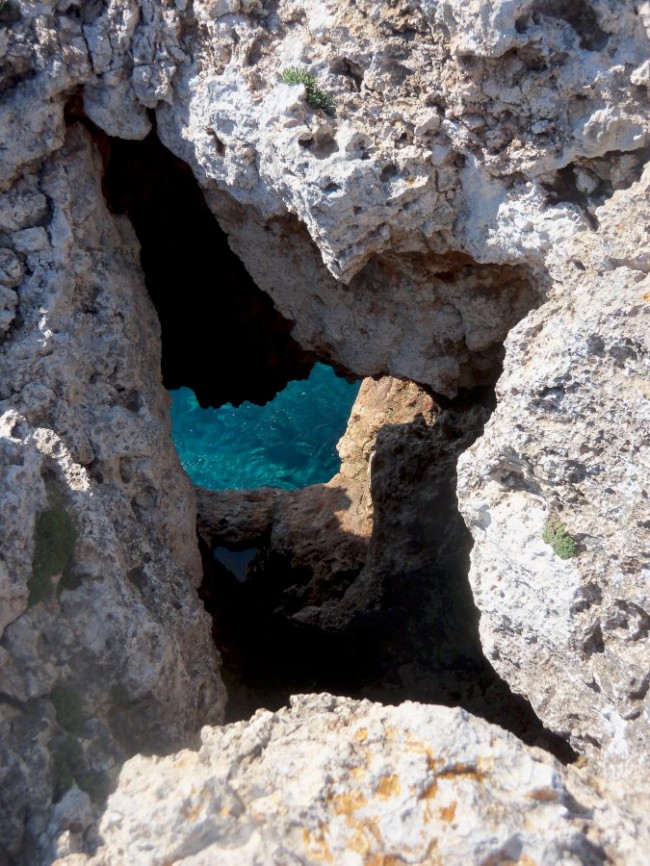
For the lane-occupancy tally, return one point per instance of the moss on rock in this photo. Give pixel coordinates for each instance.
(55, 538)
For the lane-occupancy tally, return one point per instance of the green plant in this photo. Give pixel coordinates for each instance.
(54, 539)
(556, 535)
(313, 94)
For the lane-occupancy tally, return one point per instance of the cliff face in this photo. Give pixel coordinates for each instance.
(105, 648)
(568, 443)
(481, 165)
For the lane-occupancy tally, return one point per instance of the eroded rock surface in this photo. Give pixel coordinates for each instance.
(337, 781)
(321, 531)
(105, 650)
(466, 140)
(360, 585)
(569, 442)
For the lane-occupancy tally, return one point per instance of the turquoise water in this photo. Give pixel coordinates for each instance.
(289, 443)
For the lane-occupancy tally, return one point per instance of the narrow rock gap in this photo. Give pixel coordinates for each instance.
(222, 337)
(417, 638)
(401, 626)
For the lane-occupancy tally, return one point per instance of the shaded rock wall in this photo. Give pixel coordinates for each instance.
(105, 650)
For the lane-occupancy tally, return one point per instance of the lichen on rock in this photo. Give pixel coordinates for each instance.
(341, 781)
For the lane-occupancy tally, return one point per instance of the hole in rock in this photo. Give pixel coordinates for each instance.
(588, 183)
(289, 442)
(221, 335)
(293, 612)
(390, 617)
(579, 15)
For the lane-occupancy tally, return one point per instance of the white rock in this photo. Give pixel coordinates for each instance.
(568, 441)
(349, 783)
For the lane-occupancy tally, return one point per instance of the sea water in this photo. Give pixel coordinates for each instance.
(288, 443)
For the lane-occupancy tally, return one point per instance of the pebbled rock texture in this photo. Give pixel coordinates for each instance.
(105, 650)
(336, 781)
(569, 442)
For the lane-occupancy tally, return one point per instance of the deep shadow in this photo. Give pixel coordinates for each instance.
(221, 335)
(405, 627)
(267, 656)
(430, 648)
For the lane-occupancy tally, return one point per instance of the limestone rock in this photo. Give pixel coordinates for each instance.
(467, 139)
(479, 154)
(105, 648)
(569, 442)
(238, 518)
(349, 783)
(445, 173)
(370, 567)
(381, 402)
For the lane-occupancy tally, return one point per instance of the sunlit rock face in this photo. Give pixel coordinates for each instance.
(568, 442)
(465, 141)
(370, 783)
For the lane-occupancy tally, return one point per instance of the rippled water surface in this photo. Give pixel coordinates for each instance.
(289, 443)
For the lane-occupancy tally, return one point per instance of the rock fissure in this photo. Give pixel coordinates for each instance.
(359, 587)
(221, 335)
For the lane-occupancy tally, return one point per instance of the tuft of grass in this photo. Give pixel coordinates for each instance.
(556, 535)
(313, 94)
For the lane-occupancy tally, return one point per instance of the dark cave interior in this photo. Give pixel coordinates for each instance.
(419, 642)
(222, 337)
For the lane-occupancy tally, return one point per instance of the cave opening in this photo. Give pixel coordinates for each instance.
(417, 636)
(221, 335)
(401, 625)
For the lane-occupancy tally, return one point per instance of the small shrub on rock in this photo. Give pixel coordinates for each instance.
(313, 94)
(556, 535)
